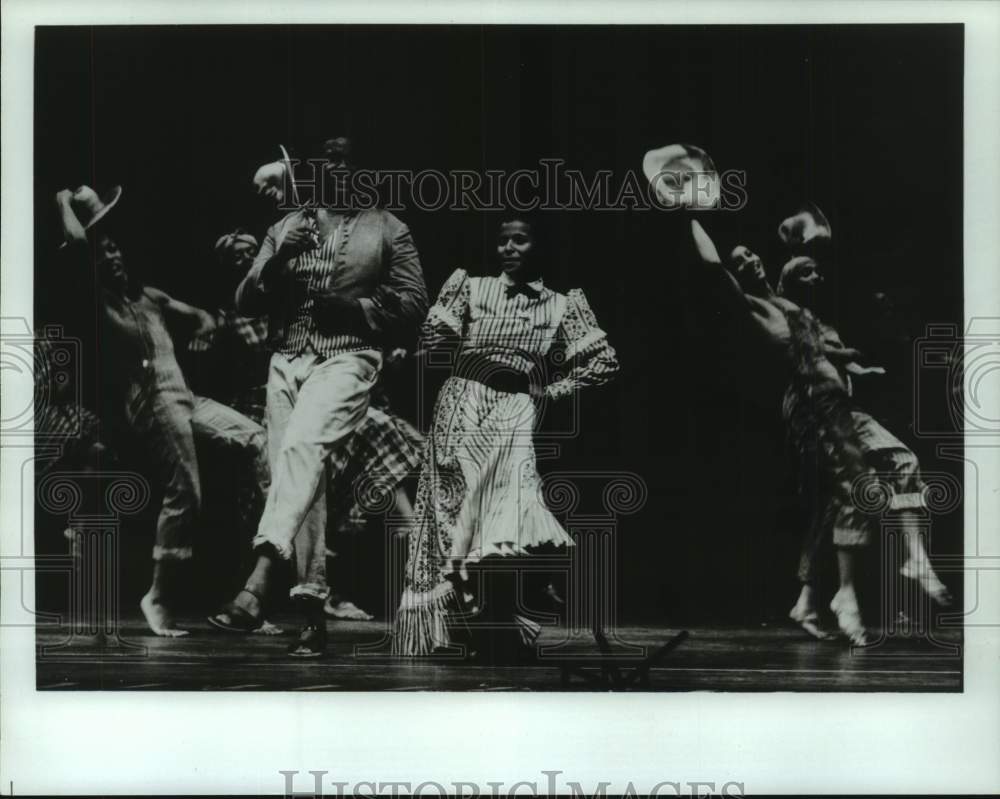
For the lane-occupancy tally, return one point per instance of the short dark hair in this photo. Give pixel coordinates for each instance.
(531, 218)
(539, 226)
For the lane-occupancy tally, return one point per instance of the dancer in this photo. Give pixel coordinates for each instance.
(140, 370)
(335, 284)
(479, 491)
(384, 450)
(836, 444)
(881, 454)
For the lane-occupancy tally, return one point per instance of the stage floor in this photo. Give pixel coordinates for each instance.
(764, 658)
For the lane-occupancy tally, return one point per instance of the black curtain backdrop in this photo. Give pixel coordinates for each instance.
(864, 120)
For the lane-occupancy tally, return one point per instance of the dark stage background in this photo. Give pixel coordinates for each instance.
(866, 121)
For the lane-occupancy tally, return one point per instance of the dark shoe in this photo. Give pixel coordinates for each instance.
(234, 619)
(311, 643)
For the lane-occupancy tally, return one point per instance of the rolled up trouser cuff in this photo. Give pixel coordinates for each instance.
(171, 553)
(912, 500)
(312, 590)
(283, 549)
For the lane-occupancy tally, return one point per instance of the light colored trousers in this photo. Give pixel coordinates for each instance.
(313, 405)
(169, 422)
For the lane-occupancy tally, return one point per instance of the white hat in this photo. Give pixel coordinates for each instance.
(683, 176)
(806, 226)
(90, 208)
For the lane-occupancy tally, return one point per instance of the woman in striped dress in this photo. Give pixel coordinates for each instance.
(519, 345)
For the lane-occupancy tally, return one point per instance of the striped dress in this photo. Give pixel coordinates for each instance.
(479, 491)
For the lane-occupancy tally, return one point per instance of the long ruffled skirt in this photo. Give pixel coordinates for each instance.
(479, 495)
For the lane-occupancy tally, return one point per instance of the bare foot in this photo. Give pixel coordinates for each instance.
(928, 581)
(808, 619)
(267, 628)
(845, 605)
(158, 618)
(346, 609)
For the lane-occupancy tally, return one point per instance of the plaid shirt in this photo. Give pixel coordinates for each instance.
(60, 420)
(230, 360)
(252, 331)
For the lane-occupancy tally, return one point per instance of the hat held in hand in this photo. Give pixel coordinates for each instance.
(271, 181)
(683, 176)
(806, 228)
(90, 208)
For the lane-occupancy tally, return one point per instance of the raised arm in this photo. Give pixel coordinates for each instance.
(592, 360)
(724, 286)
(194, 321)
(284, 242)
(77, 275)
(725, 290)
(73, 232)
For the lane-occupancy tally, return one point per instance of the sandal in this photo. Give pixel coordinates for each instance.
(311, 643)
(234, 619)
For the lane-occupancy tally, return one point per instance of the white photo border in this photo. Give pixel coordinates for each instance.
(112, 743)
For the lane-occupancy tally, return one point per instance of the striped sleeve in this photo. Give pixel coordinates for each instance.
(592, 360)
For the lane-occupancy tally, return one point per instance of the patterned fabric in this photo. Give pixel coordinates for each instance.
(519, 332)
(820, 431)
(252, 403)
(384, 451)
(836, 445)
(894, 462)
(66, 422)
(479, 489)
(817, 414)
(369, 257)
(59, 421)
(313, 270)
(227, 241)
(591, 360)
(250, 331)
